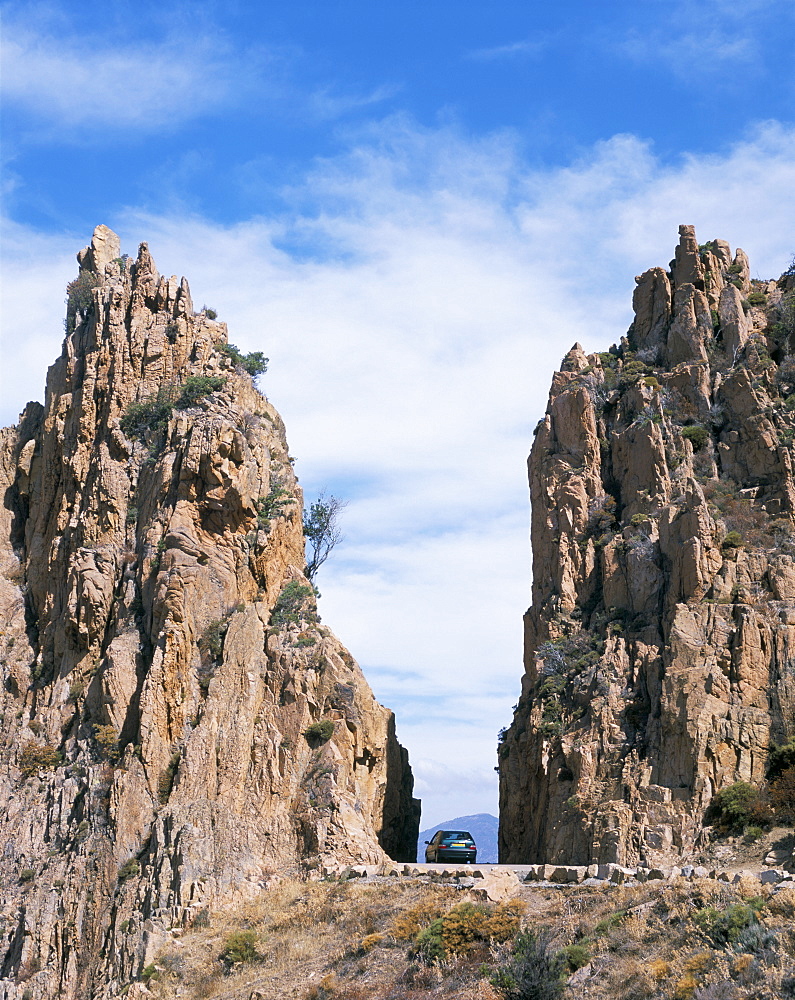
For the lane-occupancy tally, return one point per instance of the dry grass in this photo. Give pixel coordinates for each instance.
(352, 941)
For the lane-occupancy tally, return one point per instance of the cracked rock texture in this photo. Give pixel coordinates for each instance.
(660, 645)
(156, 758)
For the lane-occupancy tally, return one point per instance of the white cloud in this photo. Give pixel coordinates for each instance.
(713, 51)
(722, 41)
(71, 81)
(32, 318)
(327, 103)
(450, 790)
(526, 47)
(412, 340)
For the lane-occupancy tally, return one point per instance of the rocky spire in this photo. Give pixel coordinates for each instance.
(658, 655)
(178, 723)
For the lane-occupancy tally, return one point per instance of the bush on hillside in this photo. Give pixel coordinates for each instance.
(737, 806)
(782, 796)
(780, 759)
(293, 605)
(696, 435)
(35, 757)
(534, 971)
(254, 363)
(154, 412)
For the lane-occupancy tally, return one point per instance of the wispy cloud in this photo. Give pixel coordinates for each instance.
(412, 342)
(711, 39)
(524, 48)
(72, 82)
(327, 103)
(710, 51)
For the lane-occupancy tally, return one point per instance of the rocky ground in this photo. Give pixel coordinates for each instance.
(417, 935)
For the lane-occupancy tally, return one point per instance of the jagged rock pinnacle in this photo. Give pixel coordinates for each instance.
(658, 652)
(178, 724)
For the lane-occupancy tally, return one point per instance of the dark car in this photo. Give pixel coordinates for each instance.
(451, 845)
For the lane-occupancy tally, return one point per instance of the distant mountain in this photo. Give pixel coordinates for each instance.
(482, 826)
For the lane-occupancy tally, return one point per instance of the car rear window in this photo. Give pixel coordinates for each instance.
(457, 835)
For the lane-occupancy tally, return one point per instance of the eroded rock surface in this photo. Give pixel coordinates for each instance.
(177, 724)
(660, 645)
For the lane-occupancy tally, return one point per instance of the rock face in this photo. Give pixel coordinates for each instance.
(176, 722)
(660, 645)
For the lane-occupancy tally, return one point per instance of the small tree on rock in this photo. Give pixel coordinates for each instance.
(321, 531)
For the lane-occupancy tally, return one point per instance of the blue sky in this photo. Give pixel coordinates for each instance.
(414, 209)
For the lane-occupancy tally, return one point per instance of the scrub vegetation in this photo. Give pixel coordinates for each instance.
(421, 938)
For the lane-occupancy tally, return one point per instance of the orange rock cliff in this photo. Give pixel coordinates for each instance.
(177, 724)
(660, 645)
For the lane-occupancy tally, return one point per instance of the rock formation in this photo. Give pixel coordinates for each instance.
(176, 723)
(660, 645)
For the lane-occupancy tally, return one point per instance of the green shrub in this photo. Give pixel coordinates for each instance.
(752, 833)
(733, 540)
(150, 414)
(129, 869)
(631, 371)
(154, 412)
(240, 946)
(576, 955)
(737, 806)
(757, 298)
(211, 641)
(76, 689)
(254, 363)
(780, 759)
(27, 875)
(428, 943)
(568, 655)
(149, 972)
(79, 296)
(196, 387)
(602, 518)
(291, 605)
(696, 435)
(723, 927)
(606, 924)
(782, 795)
(320, 730)
(107, 739)
(209, 313)
(608, 360)
(756, 939)
(651, 382)
(534, 971)
(271, 505)
(166, 780)
(35, 757)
